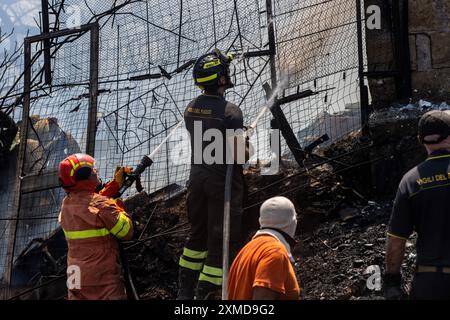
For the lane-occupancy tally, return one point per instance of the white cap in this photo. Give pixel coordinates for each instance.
(278, 213)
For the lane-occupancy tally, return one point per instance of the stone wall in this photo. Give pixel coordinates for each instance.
(429, 46)
(429, 29)
(396, 148)
(380, 55)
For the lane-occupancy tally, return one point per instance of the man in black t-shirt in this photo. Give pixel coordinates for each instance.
(209, 120)
(421, 205)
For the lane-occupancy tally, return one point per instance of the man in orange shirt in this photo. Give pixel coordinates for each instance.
(92, 223)
(263, 269)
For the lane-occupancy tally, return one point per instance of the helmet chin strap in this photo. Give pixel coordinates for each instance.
(230, 83)
(215, 91)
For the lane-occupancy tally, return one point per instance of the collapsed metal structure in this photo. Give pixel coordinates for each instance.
(114, 86)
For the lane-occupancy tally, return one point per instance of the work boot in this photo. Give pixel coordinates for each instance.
(187, 280)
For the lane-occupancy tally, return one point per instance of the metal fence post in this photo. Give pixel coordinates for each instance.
(93, 90)
(20, 164)
(46, 30)
(363, 90)
(402, 55)
(21, 180)
(278, 114)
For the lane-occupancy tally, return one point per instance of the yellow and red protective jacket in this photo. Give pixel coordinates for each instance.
(92, 223)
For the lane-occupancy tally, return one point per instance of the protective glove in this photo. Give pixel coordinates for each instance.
(121, 173)
(392, 287)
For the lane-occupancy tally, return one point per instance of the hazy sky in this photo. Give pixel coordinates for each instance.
(19, 15)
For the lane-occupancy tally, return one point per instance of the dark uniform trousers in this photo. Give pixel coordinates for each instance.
(431, 286)
(201, 262)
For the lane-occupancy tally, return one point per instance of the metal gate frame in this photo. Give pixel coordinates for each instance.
(363, 88)
(34, 183)
(401, 56)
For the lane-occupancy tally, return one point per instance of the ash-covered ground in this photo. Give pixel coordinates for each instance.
(161, 230)
(332, 260)
(340, 234)
(341, 229)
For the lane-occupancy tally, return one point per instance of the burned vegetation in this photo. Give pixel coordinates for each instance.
(340, 234)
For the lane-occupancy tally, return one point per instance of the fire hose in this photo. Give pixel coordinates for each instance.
(145, 163)
(227, 192)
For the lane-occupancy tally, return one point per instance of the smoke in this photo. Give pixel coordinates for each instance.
(282, 84)
(309, 39)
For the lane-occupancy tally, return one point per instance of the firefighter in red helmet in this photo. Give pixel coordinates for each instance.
(92, 223)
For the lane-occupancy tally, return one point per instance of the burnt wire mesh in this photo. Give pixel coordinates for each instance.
(57, 127)
(317, 50)
(145, 82)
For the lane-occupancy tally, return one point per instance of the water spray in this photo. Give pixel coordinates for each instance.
(228, 181)
(269, 104)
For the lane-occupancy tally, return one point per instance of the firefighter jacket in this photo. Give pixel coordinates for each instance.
(92, 223)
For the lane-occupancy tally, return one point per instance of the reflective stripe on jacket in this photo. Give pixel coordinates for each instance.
(121, 229)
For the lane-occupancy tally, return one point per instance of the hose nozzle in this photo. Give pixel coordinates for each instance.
(144, 164)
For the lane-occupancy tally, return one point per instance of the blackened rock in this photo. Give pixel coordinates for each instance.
(343, 246)
(137, 201)
(358, 263)
(348, 213)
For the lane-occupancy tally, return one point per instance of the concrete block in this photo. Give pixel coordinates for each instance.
(431, 85)
(424, 15)
(382, 91)
(423, 51)
(440, 49)
(413, 52)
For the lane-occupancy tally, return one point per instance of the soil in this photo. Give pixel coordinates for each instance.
(333, 259)
(161, 230)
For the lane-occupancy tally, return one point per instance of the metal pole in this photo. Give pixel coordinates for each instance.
(167, 158)
(129, 284)
(93, 90)
(20, 162)
(179, 33)
(363, 93)
(288, 134)
(61, 33)
(273, 68)
(272, 45)
(46, 30)
(226, 231)
(278, 114)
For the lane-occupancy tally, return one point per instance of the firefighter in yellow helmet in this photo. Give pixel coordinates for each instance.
(201, 261)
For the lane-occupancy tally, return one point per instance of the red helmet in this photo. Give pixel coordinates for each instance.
(75, 168)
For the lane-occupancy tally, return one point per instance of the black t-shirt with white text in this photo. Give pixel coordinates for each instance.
(422, 204)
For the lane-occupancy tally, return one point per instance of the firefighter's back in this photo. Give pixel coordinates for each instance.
(91, 247)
